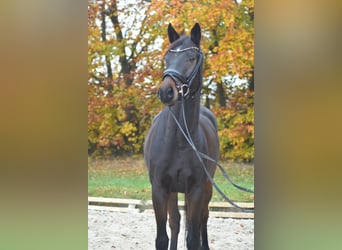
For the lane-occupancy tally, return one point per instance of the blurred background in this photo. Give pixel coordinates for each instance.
(127, 41)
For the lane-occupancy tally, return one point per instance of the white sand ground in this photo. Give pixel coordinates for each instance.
(109, 230)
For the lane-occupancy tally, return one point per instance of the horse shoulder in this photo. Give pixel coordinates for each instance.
(206, 113)
(151, 132)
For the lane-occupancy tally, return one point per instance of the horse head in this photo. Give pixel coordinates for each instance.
(183, 60)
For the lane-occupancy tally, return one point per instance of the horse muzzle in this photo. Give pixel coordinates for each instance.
(167, 92)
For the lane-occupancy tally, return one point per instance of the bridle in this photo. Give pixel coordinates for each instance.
(183, 84)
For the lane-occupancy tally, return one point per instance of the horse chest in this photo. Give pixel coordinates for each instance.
(178, 174)
(172, 162)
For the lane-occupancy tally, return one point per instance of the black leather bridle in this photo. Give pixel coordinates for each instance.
(183, 84)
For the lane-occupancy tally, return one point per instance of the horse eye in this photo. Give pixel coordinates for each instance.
(191, 59)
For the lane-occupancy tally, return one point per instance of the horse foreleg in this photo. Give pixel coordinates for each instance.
(194, 206)
(205, 214)
(160, 200)
(174, 219)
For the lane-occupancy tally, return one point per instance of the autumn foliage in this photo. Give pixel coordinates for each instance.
(126, 43)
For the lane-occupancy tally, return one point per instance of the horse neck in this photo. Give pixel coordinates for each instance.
(192, 106)
(191, 111)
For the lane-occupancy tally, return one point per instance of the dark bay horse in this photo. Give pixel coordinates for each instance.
(172, 163)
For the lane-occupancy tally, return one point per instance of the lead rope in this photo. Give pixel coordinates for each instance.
(200, 157)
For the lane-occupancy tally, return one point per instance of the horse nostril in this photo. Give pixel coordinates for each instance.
(170, 92)
(166, 94)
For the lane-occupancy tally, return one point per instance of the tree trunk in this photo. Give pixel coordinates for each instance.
(251, 81)
(220, 93)
(103, 35)
(126, 66)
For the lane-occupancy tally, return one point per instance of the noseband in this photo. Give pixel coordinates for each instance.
(184, 87)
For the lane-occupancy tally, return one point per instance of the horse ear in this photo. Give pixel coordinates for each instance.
(173, 35)
(196, 34)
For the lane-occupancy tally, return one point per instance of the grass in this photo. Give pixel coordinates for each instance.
(128, 178)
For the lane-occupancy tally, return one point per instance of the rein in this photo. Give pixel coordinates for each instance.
(202, 156)
(184, 90)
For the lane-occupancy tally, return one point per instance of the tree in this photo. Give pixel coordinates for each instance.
(116, 106)
(125, 61)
